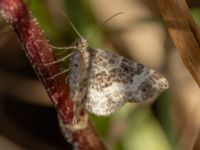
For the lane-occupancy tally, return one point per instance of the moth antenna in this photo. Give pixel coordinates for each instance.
(98, 28)
(72, 25)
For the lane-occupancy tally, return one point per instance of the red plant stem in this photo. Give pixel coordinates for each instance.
(37, 50)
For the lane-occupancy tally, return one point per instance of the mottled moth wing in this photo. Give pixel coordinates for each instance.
(78, 79)
(114, 79)
(78, 76)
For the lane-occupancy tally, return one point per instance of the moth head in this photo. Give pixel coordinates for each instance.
(82, 44)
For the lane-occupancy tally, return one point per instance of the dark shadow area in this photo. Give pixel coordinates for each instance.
(31, 126)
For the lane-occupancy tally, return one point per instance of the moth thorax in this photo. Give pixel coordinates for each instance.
(82, 48)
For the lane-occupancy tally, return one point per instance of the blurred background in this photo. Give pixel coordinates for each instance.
(27, 118)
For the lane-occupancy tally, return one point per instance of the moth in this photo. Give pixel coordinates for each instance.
(102, 81)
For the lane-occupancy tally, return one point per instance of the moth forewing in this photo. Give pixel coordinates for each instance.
(113, 79)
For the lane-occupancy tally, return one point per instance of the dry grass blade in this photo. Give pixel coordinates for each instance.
(184, 33)
(186, 38)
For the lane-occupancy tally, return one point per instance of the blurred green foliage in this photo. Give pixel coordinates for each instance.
(39, 10)
(196, 15)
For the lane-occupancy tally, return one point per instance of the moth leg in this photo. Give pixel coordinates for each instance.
(60, 73)
(62, 48)
(60, 60)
